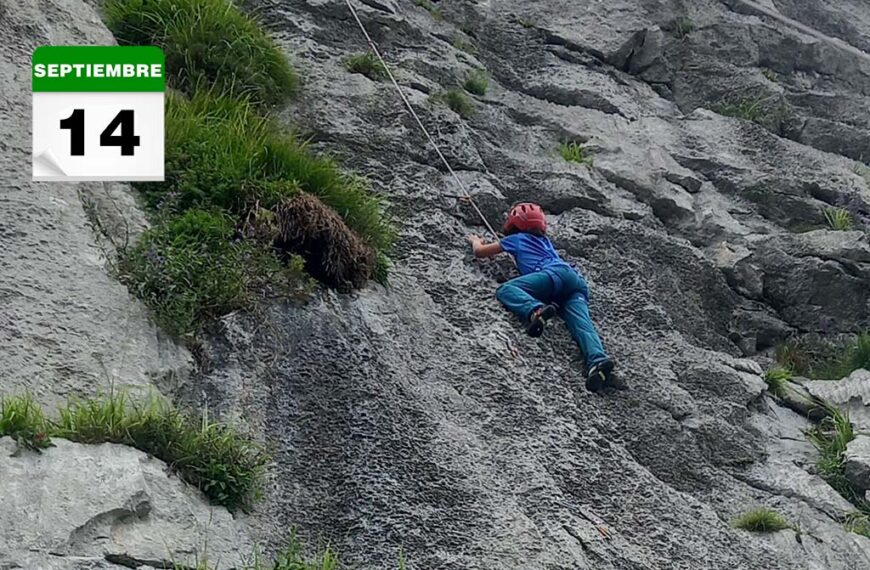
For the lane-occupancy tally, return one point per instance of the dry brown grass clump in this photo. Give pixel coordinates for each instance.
(302, 224)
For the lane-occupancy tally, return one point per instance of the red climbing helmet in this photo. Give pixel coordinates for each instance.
(526, 217)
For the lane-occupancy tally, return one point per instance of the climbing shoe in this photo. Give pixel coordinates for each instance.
(538, 320)
(599, 375)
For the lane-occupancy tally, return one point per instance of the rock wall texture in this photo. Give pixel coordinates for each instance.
(105, 506)
(418, 417)
(67, 327)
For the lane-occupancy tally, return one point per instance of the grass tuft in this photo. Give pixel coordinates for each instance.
(463, 44)
(337, 255)
(681, 27)
(859, 523)
(366, 64)
(225, 159)
(22, 420)
(830, 437)
(221, 152)
(863, 171)
(839, 219)
(226, 465)
(458, 102)
(761, 520)
(208, 44)
(476, 82)
(575, 152)
(430, 7)
(776, 379)
(191, 268)
(771, 113)
(294, 557)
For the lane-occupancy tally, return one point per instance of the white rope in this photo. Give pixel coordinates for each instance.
(417, 118)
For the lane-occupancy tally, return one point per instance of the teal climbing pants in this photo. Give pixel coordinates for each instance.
(562, 285)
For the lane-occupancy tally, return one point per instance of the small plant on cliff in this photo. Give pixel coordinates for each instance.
(208, 43)
(771, 113)
(575, 152)
(430, 7)
(294, 557)
(845, 359)
(189, 269)
(770, 75)
(839, 219)
(458, 102)
(831, 437)
(226, 465)
(681, 27)
(859, 523)
(476, 82)
(776, 379)
(222, 152)
(464, 44)
(366, 64)
(761, 520)
(22, 420)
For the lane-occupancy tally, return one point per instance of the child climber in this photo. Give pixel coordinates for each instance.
(547, 285)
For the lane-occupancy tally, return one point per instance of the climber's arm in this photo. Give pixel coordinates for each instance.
(482, 249)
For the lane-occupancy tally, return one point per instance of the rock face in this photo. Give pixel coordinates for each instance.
(852, 395)
(419, 418)
(67, 327)
(105, 506)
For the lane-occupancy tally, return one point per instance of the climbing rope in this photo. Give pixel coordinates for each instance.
(377, 53)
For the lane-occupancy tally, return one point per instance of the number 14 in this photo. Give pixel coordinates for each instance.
(126, 140)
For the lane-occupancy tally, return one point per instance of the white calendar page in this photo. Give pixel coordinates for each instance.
(52, 145)
(98, 113)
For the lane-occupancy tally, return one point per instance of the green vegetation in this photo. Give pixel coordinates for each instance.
(795, 356)
(209, 44)
(226, 465)
(366, 64)
(458, 102)
(777, 379)
(681, 27)
(430, 7)
(770, 112)
(189, 269)
(839, 219)
(824, 360)
(831, 437)
(761, 520)
(859, 523)
(224, 160)
(221, 152)
(575, 152)
(770, 75)
(463, 44)
(23, 420)
(476, 82)
(863, 171)
(849, 357)
(527, 23)
(293, 557)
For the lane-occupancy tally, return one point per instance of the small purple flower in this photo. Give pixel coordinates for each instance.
(154, 256)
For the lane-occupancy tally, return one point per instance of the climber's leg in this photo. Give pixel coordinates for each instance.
(575, 311)
(527, 294)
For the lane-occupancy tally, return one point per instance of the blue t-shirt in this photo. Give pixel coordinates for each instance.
(532, 253)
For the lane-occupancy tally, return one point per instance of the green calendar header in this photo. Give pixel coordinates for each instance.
(98, 68)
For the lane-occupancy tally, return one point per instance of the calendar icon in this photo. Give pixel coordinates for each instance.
(98, 113)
